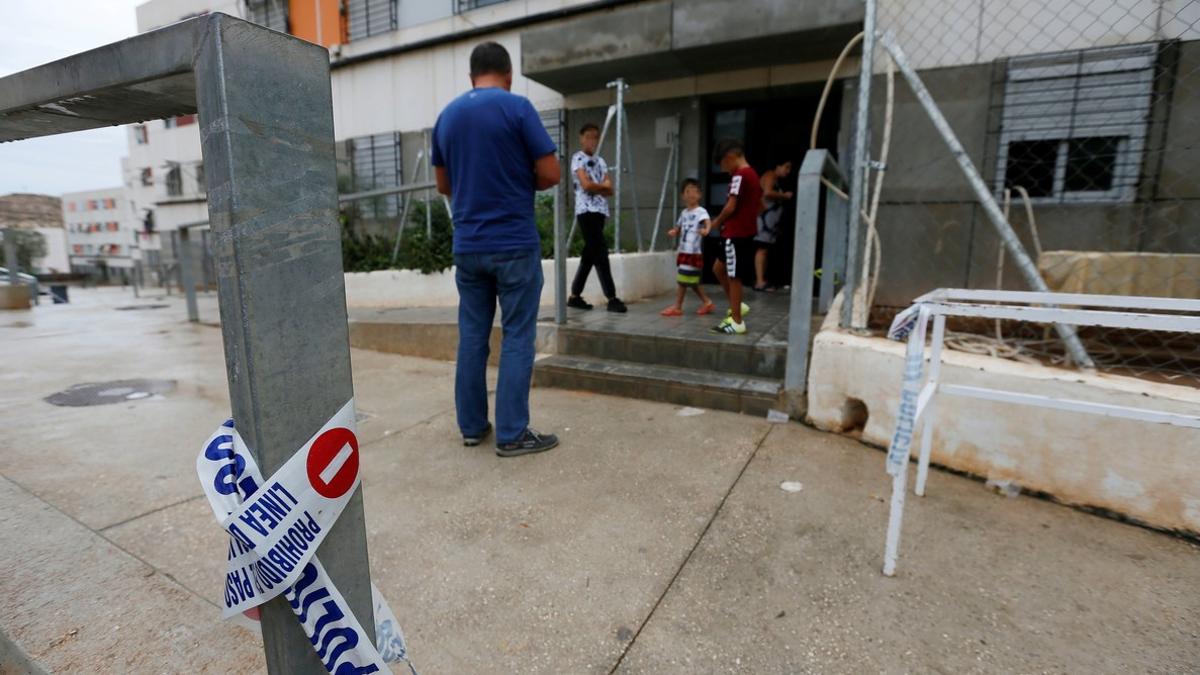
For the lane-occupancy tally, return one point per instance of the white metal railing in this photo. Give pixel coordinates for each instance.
(918, 394)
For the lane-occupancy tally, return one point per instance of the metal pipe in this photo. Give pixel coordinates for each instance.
(859, 167)
(619, 84)
(560, 252)
(804, 249)
(637, 217)
(383, 192)
(407, 201)
(662, 195)
(1003, 228)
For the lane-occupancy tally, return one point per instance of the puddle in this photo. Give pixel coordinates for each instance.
(117, 391)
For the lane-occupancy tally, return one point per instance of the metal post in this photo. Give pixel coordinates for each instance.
(804, 248)
(833, 252)
(930, 413)
(264, 101)
(637, 217)
(560, 243)
(675, 169)
(404, 211)
(662, 195)
(619, 84)
(185, 274)
(1003, 228)
(859, 167)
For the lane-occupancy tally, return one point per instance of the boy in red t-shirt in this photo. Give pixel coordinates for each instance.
(738, 224)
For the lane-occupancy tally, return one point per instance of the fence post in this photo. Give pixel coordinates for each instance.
(858, 167)
(804, 247)
(560, 242)
(833, 253)
(266, 119)
(185, 274)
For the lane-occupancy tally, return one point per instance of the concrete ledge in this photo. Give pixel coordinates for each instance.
(15, 297)
(1146, 472)
(637, 275)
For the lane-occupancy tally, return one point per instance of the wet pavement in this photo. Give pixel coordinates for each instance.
(654, 540)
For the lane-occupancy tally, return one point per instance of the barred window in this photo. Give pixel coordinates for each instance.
(271, 14)
(174, 181)
(1074, 124)
(370, 17)
(376, 163)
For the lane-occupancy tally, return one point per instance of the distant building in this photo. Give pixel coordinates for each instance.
(43, 214)
(101, 230)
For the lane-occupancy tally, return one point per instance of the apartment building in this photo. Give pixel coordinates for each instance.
(100, 230)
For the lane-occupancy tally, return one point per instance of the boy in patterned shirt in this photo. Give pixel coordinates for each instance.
(691, 228)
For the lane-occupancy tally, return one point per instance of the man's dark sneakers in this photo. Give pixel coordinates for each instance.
(530, 442)
(615, 305)
(472, 441)
(578, 302)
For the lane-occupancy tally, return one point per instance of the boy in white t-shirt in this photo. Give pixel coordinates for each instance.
(693, 225)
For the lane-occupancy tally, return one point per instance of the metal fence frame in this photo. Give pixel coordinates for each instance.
(266, 117)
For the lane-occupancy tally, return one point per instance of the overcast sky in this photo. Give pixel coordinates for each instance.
(34, 32)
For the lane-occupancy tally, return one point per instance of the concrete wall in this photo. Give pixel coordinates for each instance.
(1144, 471)
(56, 259)
(637, 276)
(940, 33)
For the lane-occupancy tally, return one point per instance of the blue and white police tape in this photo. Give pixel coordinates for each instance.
(913, 327)
(279, 524)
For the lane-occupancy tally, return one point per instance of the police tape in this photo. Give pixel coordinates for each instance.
(910, 325)
(275, 527)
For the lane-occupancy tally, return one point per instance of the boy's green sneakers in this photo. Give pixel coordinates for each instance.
(745, 311)
(728, 327)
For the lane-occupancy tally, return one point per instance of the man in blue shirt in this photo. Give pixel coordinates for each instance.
(491, 153)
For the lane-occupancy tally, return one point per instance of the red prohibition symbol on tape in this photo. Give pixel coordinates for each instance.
(333, 462)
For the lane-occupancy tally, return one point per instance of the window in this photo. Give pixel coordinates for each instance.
(370, 17)
(70, 206)
(169, 123)
(271, 14)
(184, 120)
(147, 177)
(1074, 124)
(468, 5)
(174, 181)
(110, 203)
(376, 164)
(201, 186)
(140, 134)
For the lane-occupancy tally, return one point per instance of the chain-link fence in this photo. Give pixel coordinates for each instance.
(1080, 116)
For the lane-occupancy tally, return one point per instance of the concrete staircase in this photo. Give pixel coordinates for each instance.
(704, 371)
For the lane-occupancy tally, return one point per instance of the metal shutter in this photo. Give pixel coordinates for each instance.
(370, 17)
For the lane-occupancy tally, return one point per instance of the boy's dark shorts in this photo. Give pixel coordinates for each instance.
(739, 259)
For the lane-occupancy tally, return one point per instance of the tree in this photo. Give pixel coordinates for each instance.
(31, 245)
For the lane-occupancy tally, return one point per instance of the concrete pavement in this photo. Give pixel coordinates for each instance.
(649, 542)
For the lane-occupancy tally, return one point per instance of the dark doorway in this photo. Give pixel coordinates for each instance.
(774, 125)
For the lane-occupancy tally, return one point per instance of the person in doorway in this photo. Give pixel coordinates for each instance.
(738, 225)
(768, 220)
(491, 153)
(691, 228)
(593, 185)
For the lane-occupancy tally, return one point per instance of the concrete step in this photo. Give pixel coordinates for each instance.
(708, 353)
(656, 382)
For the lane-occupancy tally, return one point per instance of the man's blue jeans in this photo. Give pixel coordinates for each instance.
(515, 279)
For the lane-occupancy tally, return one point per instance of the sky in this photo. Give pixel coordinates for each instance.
(34, 32)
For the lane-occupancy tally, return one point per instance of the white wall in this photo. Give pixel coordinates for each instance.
(56, 259)
(637, 276)
(159, 13)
